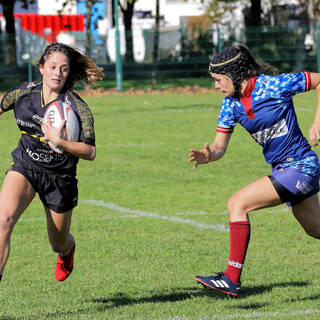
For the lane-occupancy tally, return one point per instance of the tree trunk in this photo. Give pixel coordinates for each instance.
(155, 50)
(88, 28)
(127, 17)
(253, 14)
(156, 32)
(301, 34)
(10, 49)
(112, 12)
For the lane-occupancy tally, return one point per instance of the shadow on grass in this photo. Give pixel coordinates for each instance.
(121, 299)
(249, 291)
(316, 297)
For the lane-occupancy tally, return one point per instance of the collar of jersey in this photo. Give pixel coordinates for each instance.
(41, 97)
(250, 86)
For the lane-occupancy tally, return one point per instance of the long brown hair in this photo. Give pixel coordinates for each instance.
(83, 69)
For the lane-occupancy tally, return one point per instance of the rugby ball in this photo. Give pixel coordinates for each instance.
(58, 111)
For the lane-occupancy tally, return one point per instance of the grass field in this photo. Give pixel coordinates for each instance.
(146, 223)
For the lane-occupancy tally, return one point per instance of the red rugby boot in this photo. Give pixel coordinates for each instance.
(65, 265)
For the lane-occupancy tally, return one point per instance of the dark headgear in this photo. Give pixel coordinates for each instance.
(234, 63)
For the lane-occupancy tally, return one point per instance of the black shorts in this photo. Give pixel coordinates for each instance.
(57, 192)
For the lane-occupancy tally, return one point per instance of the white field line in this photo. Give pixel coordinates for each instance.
(135, 215)
(146, 214)
(187, 110)
(304, 109)
(199, 109)
(134, 145)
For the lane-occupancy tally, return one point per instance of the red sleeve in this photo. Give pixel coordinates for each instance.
(224, 130)
(308, 80)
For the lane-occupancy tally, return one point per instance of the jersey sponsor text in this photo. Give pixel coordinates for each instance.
(277, 130)
(44, 157)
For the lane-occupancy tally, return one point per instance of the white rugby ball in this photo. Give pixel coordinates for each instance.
(58, 111)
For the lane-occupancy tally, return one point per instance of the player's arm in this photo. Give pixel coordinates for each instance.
(11, 97)
(210, 153)
(79, 149)
(314, 131)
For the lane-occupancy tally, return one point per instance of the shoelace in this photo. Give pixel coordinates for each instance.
(219, 274)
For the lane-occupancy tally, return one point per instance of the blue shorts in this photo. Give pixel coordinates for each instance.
(293, 184)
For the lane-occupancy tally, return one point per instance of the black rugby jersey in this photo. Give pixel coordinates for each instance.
(33, 149)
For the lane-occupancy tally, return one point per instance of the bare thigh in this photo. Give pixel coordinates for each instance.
(256, 195)
(16, 194)
(308, 215)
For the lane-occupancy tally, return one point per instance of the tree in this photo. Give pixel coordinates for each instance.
(156, 42)
(252, 14)
(216, 9)
(8, 12)
(90, 4)
(314, 18)
(127, 9)
(156, 32)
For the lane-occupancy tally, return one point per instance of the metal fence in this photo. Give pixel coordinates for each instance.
(182, 52)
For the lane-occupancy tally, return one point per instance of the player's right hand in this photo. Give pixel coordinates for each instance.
(200, 156)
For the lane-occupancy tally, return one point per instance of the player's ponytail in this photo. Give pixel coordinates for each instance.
(259, 66)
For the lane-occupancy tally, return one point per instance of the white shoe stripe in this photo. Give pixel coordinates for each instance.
(215, 283)
(225, 284)
(220, 283)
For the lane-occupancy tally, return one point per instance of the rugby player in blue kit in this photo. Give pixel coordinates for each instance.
(36, 168)
(262, 104)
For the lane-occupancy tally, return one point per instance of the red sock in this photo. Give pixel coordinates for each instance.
(239, 241)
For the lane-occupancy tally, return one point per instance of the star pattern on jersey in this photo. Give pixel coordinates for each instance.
(284, 85)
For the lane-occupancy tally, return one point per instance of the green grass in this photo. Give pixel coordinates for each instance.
(137, 84)
(160, 83)
(140, 243)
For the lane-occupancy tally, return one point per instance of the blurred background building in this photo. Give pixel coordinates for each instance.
(171, 37)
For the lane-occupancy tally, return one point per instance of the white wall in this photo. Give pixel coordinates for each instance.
(176, 9)
(150, 5)
(172, 9)
(53, 6)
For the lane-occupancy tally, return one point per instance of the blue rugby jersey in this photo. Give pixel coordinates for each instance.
(267, 112)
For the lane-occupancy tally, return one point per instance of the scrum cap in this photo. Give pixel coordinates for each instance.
(234, 63)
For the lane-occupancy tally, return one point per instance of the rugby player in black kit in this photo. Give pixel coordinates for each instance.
(36, 168)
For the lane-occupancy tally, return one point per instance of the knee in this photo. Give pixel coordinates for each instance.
(6, 223)
(313, 232)
(237, 208)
